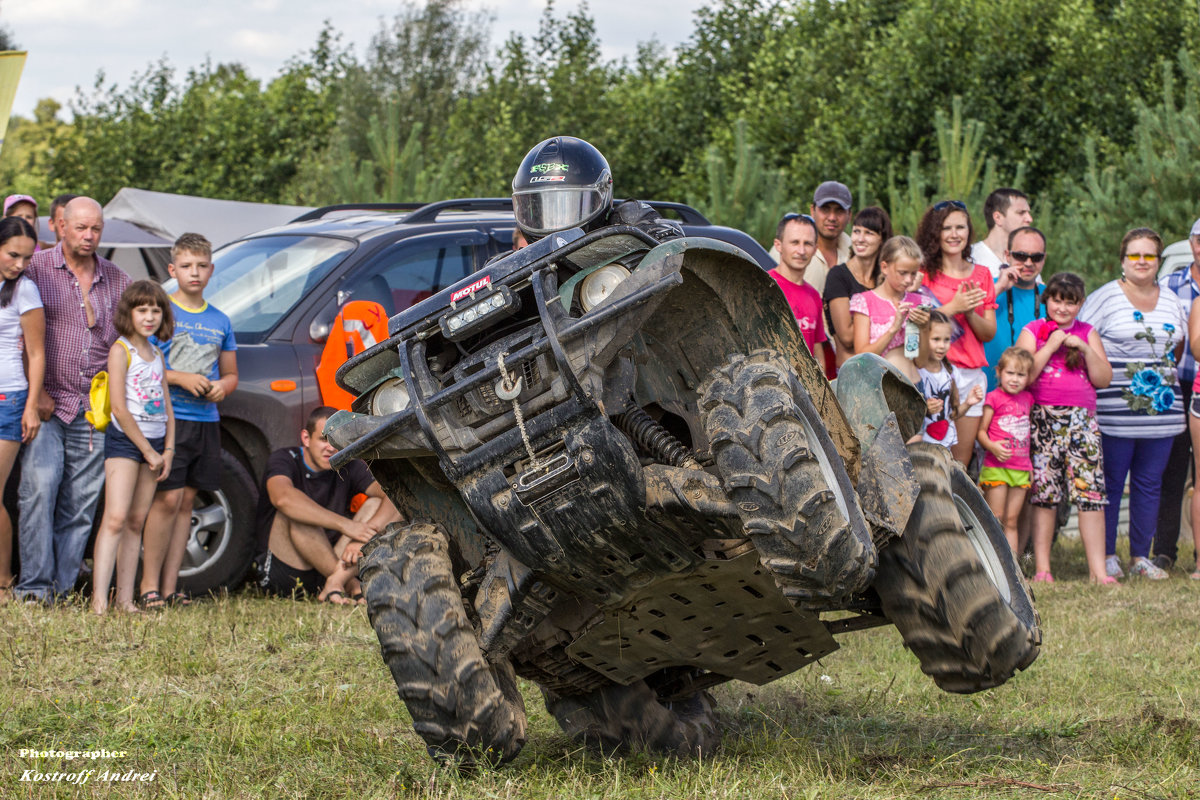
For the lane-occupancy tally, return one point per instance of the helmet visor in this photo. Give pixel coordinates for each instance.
(543, 211)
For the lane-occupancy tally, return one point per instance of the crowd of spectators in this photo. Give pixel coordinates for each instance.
(66, 315)
(1054, 394)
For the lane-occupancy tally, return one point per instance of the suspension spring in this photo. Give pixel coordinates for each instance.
(654, 439)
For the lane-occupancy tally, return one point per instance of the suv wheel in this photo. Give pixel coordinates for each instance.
(221, 542)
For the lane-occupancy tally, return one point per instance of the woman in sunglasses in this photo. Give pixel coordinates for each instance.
(1142, 328)
(966, 294)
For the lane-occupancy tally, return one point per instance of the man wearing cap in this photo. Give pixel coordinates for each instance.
(831, 211)
(62, 470)
(1005, 210)
(1185, 283)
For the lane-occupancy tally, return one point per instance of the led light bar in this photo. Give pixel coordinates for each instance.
(480, 312)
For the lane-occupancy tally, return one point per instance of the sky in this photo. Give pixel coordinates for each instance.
(69, 41)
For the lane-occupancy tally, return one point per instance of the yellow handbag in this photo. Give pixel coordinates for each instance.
(101, 413)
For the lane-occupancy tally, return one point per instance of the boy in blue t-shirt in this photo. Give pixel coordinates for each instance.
(201, 372)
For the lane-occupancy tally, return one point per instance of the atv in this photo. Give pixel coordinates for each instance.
(628, 481)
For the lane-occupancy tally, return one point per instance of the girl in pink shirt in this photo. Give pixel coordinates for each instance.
(879, 315)
(1004, 435)
(1069, 364)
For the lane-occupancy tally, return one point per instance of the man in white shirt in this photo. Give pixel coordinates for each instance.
(1005, 210)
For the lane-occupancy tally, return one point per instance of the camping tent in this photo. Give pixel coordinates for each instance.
(140, 225)
(222, 221)
(140, 254)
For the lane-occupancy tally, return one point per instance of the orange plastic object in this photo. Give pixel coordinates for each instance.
(359, 325)
(283, 386)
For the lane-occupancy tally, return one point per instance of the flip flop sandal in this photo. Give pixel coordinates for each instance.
(179, 599)
(329, 598)
(359, 599)
(152, 601)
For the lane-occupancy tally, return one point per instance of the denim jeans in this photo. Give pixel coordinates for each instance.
(1143, 461)
(62, 474)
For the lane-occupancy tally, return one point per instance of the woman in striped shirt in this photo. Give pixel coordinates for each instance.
(1140, 412)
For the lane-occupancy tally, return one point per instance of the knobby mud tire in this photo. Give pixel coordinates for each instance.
(623, 719)
(467, 710)
(780, 467)
(951, 585)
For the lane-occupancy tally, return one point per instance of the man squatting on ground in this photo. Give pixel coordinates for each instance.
(315, 520)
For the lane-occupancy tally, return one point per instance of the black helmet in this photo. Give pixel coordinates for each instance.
(562, 183)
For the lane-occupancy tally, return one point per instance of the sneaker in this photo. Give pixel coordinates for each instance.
(1112, 568)
(1144, 568)
(1163, 562)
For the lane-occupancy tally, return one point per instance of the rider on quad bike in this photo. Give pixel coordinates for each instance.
(629, 481)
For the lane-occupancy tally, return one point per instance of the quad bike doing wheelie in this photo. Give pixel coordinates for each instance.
(628, 482)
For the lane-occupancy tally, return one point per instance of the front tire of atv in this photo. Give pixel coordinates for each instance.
(781, 469)
(621, 719)
(467, 710)
(951, 585)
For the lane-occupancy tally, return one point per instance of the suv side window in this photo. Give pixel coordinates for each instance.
(409, 272)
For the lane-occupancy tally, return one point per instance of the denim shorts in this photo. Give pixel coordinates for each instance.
(12, 407)
(118, 445)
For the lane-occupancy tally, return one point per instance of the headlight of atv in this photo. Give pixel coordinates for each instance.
(600, 284)
(390, 398)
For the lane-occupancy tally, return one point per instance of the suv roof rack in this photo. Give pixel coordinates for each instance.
(324, 211)
(430, 211)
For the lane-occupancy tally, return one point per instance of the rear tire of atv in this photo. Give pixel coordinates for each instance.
(621, 719)
(780, 467)
(951, 585)
(467, 710)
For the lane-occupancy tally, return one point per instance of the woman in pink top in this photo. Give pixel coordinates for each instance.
(879, 315)
(965, 293)
(1069, 364)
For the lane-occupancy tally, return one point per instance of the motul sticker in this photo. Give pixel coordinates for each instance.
(482, 283)
(548, 179)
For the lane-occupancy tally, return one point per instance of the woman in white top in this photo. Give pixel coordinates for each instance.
(22, 330)
(1142, 328)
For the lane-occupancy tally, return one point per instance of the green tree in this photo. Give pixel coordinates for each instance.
(746, 195)
(1154, 183)
(27, 160)
(218, 133)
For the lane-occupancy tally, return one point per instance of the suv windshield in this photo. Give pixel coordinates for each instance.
(257, 281)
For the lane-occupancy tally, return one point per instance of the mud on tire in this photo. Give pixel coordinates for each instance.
(467, 710)
(620, 719)
(780, 467)
(952, 588)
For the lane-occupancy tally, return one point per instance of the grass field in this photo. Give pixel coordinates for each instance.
(250, 697)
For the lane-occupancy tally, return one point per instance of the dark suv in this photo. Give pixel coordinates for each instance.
(283, 288)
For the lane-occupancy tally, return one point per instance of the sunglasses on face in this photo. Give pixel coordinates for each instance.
(1036, 258)
(1148, 257)
(942, 206)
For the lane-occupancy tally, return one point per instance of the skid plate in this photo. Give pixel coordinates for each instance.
(726, 616)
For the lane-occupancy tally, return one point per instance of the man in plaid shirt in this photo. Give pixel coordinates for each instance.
(62, 471)
(1186, 284)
